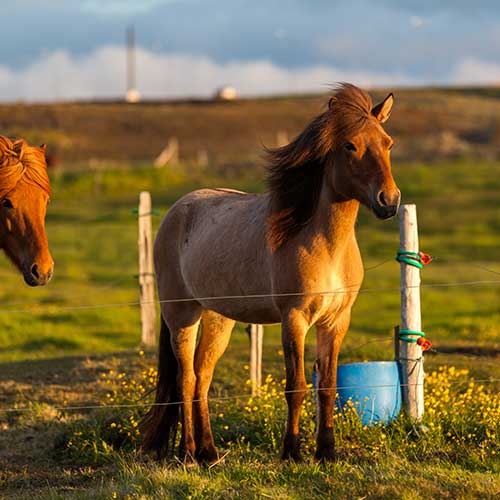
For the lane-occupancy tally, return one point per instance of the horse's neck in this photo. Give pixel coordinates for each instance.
(334, 221)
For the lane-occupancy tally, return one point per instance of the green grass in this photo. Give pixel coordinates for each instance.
(50, 353)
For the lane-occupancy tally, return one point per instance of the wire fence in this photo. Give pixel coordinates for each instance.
(234, 397)
(348, 289)
(344, 290)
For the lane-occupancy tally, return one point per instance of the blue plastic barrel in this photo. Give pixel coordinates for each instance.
(374, 389)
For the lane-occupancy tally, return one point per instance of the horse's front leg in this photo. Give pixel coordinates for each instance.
(215, 334)
(328, 341)
(293, 332)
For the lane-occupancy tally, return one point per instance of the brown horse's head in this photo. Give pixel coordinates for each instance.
(344, 150)
(361, 153)
(24, 194)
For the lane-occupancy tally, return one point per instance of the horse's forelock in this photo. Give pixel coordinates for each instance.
(19, 161)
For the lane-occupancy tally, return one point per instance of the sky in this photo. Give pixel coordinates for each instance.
(74, 49)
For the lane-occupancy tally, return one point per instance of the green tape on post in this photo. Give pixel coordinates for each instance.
(403, 335)
(410, 258)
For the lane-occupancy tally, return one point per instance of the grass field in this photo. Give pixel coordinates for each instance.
(52, 355)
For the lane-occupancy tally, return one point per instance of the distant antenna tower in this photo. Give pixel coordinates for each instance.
(132, 93)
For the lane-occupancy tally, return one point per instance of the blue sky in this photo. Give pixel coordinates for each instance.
(64, 49)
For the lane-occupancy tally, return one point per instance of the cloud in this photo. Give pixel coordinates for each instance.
(59, 75)
(121, 7)
(471, 71)
(422, 40)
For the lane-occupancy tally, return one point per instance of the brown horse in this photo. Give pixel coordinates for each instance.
(24, 194)
(284, 248)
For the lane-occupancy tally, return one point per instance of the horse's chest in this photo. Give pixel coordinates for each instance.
(336, 293)
(334, 288)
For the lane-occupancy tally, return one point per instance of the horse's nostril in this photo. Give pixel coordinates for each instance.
(381, 199)
(34, 271)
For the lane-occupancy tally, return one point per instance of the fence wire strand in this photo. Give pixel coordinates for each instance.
(344, 290)
(234, 397)
(31, 308)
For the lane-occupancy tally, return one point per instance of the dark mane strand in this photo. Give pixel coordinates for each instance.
(295, 171)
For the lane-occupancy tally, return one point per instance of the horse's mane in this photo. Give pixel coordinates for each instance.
(295, 171)
(19, 161)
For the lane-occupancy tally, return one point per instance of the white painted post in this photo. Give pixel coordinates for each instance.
(256, 338)
(411, 359)
(146, 275)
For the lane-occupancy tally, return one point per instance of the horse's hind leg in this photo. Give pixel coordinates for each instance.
(183, 323)
(215, 333)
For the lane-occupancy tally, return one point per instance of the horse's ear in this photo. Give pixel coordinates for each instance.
(383, 110)
(331, 102)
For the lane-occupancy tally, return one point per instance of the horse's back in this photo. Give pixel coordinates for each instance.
(204, 212)
(212, 243)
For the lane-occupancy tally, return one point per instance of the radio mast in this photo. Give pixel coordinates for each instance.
(132, 94)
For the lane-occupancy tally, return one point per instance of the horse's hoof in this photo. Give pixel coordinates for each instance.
(295, 456)
(291, 448)
(207, 455)
(325, 455)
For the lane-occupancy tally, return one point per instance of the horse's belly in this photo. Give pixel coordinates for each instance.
(249, 310)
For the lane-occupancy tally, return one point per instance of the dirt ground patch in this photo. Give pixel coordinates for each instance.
(29, 464)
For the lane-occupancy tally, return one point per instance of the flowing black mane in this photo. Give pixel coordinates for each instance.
(295, 171)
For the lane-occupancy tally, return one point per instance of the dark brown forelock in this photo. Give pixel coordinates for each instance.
(295, 171)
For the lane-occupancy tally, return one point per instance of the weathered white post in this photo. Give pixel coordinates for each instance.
(146, 275)
(256, 337)
(411, 357)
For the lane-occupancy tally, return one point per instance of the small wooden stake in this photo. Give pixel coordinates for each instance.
(146, 275)
(256, 337)
(169, 154)
(411, 359)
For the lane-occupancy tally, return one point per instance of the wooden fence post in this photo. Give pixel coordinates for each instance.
(169, 154)
(256, 333)
(411, 359)
(146, 275)
(202, 158)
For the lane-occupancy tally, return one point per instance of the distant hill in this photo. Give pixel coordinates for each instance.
(427, 124)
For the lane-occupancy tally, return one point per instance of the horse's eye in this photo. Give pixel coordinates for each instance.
(7, 203)
(350, 146)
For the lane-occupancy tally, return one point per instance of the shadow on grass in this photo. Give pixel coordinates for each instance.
(49, 342)
(88, 366)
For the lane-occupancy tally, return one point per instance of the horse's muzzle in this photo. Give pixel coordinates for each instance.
(385, 212)
(386, 205)
(34, 277)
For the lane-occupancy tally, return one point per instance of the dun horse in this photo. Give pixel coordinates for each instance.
(24, 194)
(286, 248)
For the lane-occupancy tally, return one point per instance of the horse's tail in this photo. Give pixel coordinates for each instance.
(160, 423)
